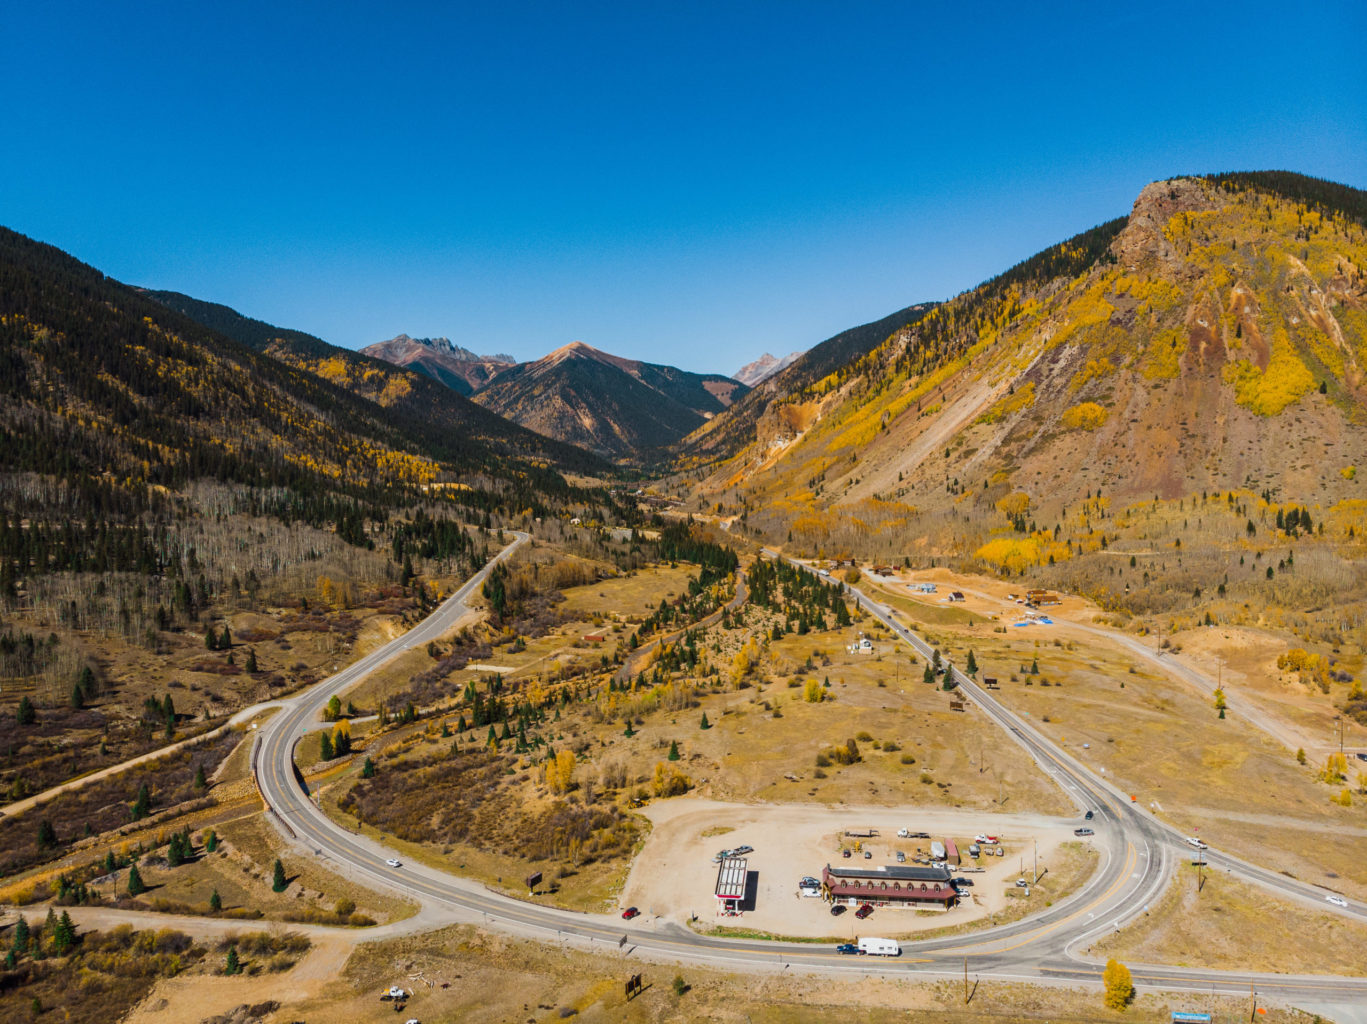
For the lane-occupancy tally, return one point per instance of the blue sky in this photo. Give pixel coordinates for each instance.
(685, 183)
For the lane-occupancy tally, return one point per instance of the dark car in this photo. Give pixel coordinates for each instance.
(847, 947)
(961, 883)
(864, 911)
(629, 913)
(844, 853)
(1089, 816)
(837, 909)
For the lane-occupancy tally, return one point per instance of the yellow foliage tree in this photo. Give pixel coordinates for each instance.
(812, 692)
(1119, 985)
(560, 771)
(1086, 416)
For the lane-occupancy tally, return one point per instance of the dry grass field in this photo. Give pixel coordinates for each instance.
(1232, 926)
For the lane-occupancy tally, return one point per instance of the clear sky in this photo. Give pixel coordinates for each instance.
(689, 183)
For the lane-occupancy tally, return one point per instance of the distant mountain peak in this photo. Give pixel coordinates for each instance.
(764, 367)
(441, 359)
(443, 345)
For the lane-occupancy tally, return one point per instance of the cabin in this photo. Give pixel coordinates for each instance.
(957, 596)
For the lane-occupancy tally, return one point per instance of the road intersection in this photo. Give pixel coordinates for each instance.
(1138, 854)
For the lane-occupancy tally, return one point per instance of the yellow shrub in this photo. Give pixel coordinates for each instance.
(1269, 391)
(1087, 416)
(1010, 554)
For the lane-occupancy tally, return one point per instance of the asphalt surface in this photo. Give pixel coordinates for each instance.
(1137, 855)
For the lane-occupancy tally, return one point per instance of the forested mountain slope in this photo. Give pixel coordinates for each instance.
(434, 416)
(1214, 340)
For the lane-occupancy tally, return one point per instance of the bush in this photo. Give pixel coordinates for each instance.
(908, 759)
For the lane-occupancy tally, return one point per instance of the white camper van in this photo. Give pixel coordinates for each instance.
(880, 947)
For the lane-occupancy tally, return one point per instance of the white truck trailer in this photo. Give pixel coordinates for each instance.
(880, 947)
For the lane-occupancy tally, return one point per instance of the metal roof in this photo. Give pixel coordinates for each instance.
(894, 873)
(731, 878)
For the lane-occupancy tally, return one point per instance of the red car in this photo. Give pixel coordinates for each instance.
(864, 911)
(629, 913)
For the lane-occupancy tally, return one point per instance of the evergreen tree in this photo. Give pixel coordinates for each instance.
(929, 675)
(109, 865)
(368, 768)
(225, 641)
(704, 724)
(251, 660)
(215, 901)
(26, 715)
(673, 750)
(47, 835)
(77, 697)
(278, 881)
(63, 934)
(21, 936)
(142, 804)
(972, 664)
(136, 886)
(325, 751)
(201, 782)
(232, 966)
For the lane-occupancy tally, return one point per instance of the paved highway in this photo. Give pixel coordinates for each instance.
(1137, 854)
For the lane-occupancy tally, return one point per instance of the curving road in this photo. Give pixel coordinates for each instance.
(1137, 856)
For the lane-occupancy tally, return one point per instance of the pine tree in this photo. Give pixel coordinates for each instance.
(929, 675)
(368, 768)
(325, 751)
(136, 886)
(251, 660)
(704, 724)
(673, 750)
(47, 835)
(210, 841)
(278, 881)
(215, 901)
(109, 865)
(200, 781)
(21, 936)
(26, 715)
(142, 804)
(77, 697)
(972, 664)
(63, 934)
(232, 966)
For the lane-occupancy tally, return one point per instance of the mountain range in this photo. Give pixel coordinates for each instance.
(617, 407)
(763, 368)
(441, 359)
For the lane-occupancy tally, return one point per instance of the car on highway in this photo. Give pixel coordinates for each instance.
(629, 913)
(1083, 832)
(1360, 756)
(1193, 841)
(1337, 901)
(848, 948)
(864, 911)
(1087, 816)
(394, 862)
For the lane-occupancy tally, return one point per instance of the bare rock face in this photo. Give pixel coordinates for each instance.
(1144, 246)
(247, 1013)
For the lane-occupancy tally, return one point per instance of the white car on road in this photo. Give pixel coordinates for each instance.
(394, 862)
(1193, 841)
(1337, 901)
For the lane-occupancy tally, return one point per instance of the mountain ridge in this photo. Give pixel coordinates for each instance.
(441, 359)
(764, 367)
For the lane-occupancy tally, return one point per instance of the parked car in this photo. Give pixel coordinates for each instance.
(848, 948)
(741, 851)
(1021, 883)
(961, 883)
(901, 857)
(1083, 832)
(1361, 756)
(845, 853)
(394, 862)
(837, 909)
(868, 855)
(394, 992)
(1337, 901)
(864, 911)
(985, 840)
(808, 880)
(629, 913)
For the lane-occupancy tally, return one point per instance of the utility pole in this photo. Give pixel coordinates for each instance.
(1036, 867)
(965, 980)
(1339, 720)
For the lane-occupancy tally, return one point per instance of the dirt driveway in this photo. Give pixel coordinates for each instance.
(673, 877)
